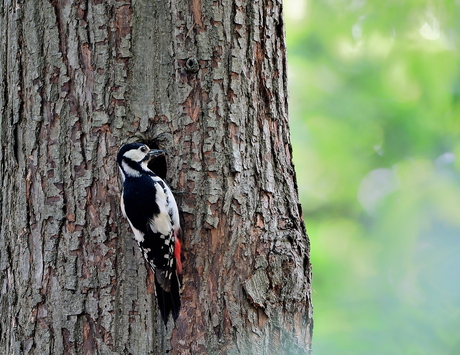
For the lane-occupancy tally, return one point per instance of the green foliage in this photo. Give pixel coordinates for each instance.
(374, 107)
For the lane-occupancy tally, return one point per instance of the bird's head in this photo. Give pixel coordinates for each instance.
(132, 158)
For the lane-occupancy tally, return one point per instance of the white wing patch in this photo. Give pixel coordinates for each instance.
(161, 222)
(173, 211)
(171, 204)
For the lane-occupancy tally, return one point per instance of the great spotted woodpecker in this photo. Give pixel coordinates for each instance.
(150, 208)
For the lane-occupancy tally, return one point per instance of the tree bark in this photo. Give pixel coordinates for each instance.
(204, 80)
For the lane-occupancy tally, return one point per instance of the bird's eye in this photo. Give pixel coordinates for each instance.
(143, 149)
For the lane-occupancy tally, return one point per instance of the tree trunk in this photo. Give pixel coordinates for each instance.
(204, 80)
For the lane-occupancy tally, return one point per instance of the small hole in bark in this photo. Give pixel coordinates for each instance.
(192, 65)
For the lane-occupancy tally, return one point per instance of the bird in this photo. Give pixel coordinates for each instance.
(151, 210)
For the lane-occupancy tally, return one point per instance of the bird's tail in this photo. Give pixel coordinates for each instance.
(169, 301)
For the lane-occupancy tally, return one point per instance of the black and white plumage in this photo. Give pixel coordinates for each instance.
(149, 205)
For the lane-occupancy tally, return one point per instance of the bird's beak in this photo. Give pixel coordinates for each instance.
(153, 153)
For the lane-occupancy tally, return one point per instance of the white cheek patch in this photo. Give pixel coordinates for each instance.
(130, 171)
(135, 155)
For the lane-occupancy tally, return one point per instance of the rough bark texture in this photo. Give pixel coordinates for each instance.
(205, 80)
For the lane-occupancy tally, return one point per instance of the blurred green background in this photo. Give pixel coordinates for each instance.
(375, 127)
